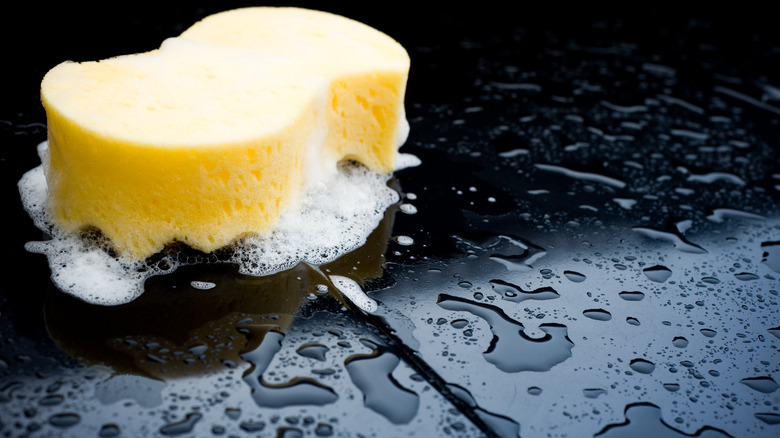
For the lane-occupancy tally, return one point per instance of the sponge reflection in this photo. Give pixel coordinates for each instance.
(191, 322)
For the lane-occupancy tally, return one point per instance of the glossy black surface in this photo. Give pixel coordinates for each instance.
(595, 248)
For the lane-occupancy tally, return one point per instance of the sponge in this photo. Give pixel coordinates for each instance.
(213, 135)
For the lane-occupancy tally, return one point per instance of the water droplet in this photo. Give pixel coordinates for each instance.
(574, 276)
(109, 431)
(710, 280)
(51, 400)
(459, 323)
(763, 384)
(597, 314)
(625, 203)
(65, 419)
(252, 426)
(324, 371)
(289, 432)
(593, 392)
(746, 276)
(642, 366)
(511, 349)
(534, 390)
(184, 426)
(658, 273)
(372, 374)
(632, 295)
(233, 413)
(708, 332)
(672, 387)
(313, 350)
(633, 321)
(198, 349)
(323, 429)
(514, 293)
(680, 342)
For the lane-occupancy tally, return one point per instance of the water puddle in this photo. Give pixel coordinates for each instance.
(643, 420)
(516, 254)
(143, 390)
(372, 374)
(511, 349)
(501, 426)
(675, 239)
(297, 391)
(514, 293)
(769, 418)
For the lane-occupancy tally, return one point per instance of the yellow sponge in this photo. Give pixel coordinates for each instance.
(211, 136)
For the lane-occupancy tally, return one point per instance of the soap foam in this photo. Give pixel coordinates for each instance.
(335, 215)
(350, 289)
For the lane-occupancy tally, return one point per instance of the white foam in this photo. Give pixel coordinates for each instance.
(403, 161)
(334, 217)
(351, 290)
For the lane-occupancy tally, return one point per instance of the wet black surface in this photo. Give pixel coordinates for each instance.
(593, 249)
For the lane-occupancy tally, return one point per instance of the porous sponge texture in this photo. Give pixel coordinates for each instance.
(214, 134)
